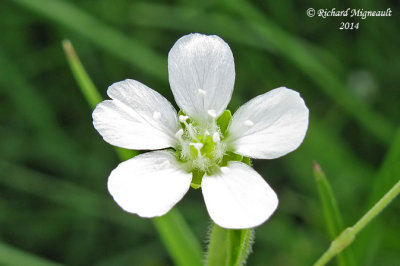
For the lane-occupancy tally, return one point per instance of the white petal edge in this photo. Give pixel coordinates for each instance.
(137, 117)
(201, 74)
(149, 184)
(270, 125)
(238, 197)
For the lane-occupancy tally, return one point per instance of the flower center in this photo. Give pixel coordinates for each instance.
(200, 143)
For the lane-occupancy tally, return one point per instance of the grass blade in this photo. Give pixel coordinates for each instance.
(179, 239)
(86, 85)
(331, 211)
(88, 89)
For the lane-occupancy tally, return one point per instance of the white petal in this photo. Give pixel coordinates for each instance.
(149, 184)
(238, 197)
(270, 125)
(137, 117)
(201, 73)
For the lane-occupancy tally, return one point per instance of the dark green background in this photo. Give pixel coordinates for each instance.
(54, 165)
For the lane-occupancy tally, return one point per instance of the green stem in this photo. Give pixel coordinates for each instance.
(349, 234)
(237, 245)
(176, 235)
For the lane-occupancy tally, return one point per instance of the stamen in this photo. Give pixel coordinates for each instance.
(192, 131)
(212, 113)
(198, 147)
(156, 115)
(248, 123)
(216, 137)
(202, 92)
(183, 118)
(179, 133)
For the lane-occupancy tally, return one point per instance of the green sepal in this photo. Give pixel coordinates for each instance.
(181, 113)
(197, 176)
(223, 121)
(247, 161)
(230, 156)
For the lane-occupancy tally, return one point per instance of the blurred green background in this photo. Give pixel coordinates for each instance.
(54, 166)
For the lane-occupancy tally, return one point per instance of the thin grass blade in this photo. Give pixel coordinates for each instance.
(331, 211)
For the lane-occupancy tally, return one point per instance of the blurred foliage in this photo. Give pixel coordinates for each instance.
(54, 165)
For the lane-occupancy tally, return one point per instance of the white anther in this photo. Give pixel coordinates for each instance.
(183, 118)
(156, 115)
(216, 137)
(202, 92)
(212, 113)
(179, 133)
(197, 145)
(248, 123)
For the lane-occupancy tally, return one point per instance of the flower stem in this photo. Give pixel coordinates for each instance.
(228, 246)
(349, 234)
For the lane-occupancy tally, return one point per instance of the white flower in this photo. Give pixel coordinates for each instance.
(197, 143)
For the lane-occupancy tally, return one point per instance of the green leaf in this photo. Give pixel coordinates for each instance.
(229, 247)
(223, 121)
